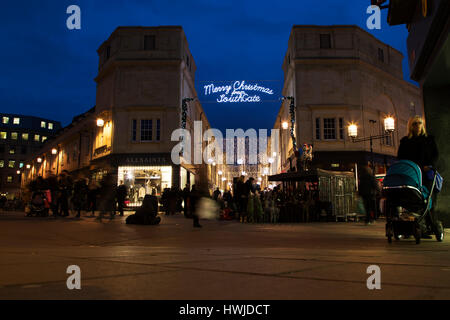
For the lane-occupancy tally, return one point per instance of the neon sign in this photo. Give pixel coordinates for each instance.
(237, 92)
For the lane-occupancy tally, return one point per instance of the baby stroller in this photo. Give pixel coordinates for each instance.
(38, 205)
(409, 203)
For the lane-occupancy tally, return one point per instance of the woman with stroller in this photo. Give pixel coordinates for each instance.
(420, 148)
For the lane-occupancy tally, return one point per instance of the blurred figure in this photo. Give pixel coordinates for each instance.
(194, 200)
(107, 196)
(368, 190)
(121, 195)
(217, 194)
(186, 196)
(147, 214)
(93, 189)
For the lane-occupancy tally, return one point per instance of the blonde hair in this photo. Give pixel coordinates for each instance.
(412, 120)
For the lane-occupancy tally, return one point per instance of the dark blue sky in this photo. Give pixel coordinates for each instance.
(48, 70)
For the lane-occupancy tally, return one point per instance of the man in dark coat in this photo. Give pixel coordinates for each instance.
(368, 190)
(121, 195)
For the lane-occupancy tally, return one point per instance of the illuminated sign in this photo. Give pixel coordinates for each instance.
(239, 91)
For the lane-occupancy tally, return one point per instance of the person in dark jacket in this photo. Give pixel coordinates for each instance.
(147, 214)
(368, 190)
(194, 200)
(421, 148)
(121, 195)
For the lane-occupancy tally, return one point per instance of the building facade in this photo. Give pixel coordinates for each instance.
(342, 75)
(428, 24)
(144, 75)
(20, 136)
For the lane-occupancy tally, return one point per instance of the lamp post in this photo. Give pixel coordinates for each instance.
(389, 127)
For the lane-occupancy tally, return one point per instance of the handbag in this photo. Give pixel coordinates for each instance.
(439, 180)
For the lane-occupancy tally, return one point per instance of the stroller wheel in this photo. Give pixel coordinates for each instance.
(439, 233)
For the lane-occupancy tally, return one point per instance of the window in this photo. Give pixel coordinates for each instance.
(108, 52)
(380, 55)
(36, 137)
(341, 128)
(24, 150)
(3, 135)
(149, 42)
(14, 135)
(25, 136)
(12, 150)
(2, 163)
(318, 128)
(21, 165)
(50, 126)
(146, 130)
(133, 130)
(43, 124)
(158, 130)
(325, 41)
(329, 129)
(16, 121)
(11, 163)
(9, 179)
(44, 138)
(5, 120)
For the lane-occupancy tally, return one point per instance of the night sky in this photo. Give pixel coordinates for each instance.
(48, 70)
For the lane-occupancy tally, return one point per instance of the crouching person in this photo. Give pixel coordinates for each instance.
(147, 213)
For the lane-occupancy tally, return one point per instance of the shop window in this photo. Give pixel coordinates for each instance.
(146, 130)
(329, 128)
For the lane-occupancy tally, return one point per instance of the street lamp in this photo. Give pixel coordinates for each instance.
(389, 127)
(100, 122)
(285, 125)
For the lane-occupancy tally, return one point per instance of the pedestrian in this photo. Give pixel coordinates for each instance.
(368, 190)
(107, 196)
(420, 147)
(216, 194)
(186, 194)
(121, 195)
(79, 196)
(194, 201)
(147, 214)
(93, 189)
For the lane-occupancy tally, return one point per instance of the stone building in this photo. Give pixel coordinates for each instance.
(144, 74)
(20, 136)
(428, 42)
(340, 75)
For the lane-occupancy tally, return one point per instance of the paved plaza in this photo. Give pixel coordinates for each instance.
(223, 260)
